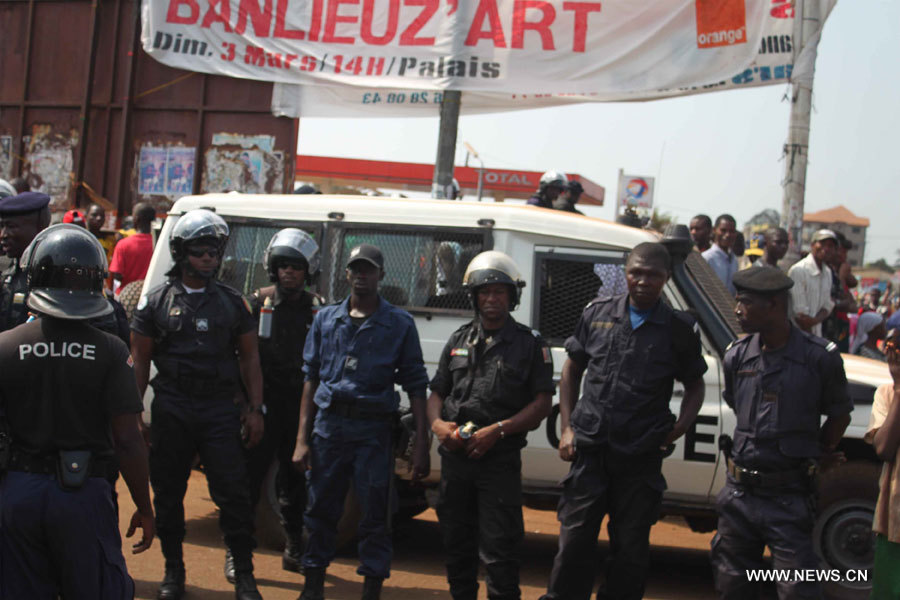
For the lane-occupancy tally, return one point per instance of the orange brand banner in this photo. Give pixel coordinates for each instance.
(721, 23)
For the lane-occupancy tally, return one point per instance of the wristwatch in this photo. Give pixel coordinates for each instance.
(261, 409)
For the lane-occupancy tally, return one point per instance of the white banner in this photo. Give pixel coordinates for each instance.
(635, 191)
(611, 47)
(772, 64)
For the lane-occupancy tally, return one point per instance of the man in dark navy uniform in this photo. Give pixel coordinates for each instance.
(291, 260)
(633, 347)
(202, 337)
(778, 380)
(497, 375)
(21, 218)
(355, 352)
(70, 403)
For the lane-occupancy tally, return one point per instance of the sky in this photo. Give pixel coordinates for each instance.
(711, 153)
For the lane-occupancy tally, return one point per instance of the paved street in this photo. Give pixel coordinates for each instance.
(680, 560)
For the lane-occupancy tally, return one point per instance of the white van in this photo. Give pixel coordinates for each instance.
(427, 245)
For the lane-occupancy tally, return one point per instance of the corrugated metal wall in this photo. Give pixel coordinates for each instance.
(140, 130)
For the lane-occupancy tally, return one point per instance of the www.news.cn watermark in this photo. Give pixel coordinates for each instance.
(799, 575)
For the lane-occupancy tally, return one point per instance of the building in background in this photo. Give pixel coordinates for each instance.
(838, 219)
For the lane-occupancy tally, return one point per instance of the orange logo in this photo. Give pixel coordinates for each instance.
(721, 23)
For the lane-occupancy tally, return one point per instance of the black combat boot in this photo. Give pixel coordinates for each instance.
(172, 586)
(291, 559)
(229, 566)
(314, 588)
(245, 586)
(372, 588)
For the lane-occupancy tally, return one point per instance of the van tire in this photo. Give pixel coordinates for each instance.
(842, 534)
(270, 533)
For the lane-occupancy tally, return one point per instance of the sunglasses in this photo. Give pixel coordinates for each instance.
(201, 252)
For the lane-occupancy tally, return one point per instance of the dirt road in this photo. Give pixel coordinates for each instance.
(680, 568)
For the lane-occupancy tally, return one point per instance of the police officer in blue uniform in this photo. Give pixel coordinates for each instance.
(70, 405)
(779, 380)
(21, 218)
(292, 261)
(201, 335)
(633, 346)
(496, 374)
(355, 352)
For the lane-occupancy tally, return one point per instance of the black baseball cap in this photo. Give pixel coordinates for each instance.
(367, 252)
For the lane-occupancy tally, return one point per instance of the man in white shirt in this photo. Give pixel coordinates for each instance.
(720, 255)
(811, 294)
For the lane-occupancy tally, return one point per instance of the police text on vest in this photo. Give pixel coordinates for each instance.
(57, 350)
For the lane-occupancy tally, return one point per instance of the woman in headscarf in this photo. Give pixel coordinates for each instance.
(869, 329)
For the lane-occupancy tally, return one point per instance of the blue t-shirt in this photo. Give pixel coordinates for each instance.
(637, 316)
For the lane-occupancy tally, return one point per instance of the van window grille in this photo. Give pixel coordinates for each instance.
(242, 263)
(567, 285)
(423, 269)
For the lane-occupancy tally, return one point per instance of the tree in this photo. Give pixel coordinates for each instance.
(880, 264)
(659, 221)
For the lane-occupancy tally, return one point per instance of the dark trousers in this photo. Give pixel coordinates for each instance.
(60, 543)
(480, 512)
(368, 463)
(750, 521)
(281, 420)
(629, 489)
(181, 428)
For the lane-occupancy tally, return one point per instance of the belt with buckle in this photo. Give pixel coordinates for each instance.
(770, 479)
(352, 411)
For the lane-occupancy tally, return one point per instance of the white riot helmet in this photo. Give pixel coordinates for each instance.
(7, 189)
(293, 245)
(494, 267)
(554, 179)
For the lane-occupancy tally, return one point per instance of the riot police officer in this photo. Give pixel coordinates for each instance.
(495, 376)
(633, 347)
(355, 352)
(201, 335)
(21, 218)
(292, 261)
(551, 185)
(779, 380)
(71, 406)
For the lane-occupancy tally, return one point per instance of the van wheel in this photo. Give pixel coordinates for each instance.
(270, 533)
(842, 533)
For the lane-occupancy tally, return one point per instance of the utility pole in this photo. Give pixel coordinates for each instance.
(807, 27)
(446, 152)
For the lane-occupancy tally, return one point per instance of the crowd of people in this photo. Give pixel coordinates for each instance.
(68, 436)
(825, 299)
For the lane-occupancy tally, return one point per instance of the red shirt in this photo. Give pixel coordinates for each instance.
(131, 257)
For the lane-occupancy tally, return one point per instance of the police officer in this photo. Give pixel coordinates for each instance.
(202, 337)
(566, 201)
(551, 185)
(498, 375)
(71, 405)
(21, 218)
(779, 380)
(355, 352)
(633, 347)
(291, 260)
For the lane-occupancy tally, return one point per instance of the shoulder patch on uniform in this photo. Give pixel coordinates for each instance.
(142, 303)
(130, 361)
(459, 352)
(545, 352)
(831, 346)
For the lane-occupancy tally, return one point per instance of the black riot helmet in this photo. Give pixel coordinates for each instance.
(291, 245)
(65, 267)
(197, 225)
(493, 267)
